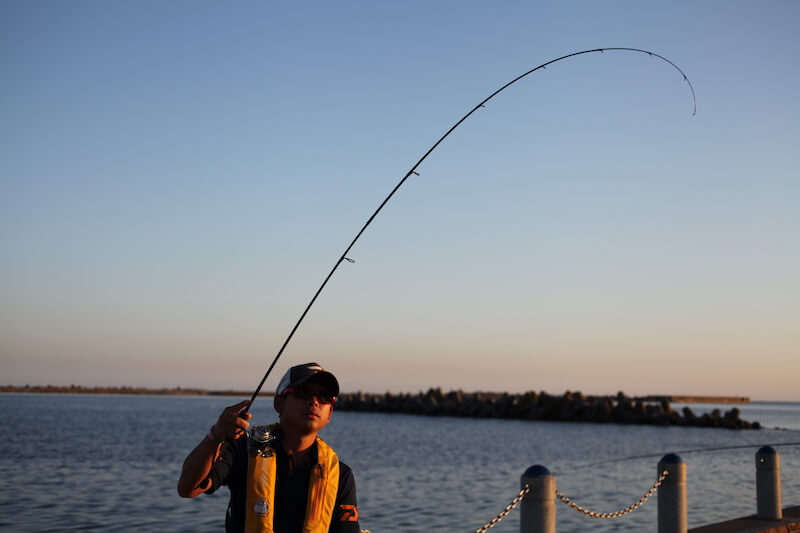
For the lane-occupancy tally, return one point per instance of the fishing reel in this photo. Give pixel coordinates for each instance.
(259, 440)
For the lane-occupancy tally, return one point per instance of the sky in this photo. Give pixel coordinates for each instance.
(178, 178)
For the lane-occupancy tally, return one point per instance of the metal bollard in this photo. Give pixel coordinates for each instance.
(538, 508)
(672, 496)
(768, 484)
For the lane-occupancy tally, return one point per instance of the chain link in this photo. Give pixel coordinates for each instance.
(494, 521)
(617, 514)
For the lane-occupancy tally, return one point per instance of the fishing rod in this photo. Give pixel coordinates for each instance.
(413, 171)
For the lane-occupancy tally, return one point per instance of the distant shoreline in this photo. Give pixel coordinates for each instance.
(78, 389)
(569, 407)
(180, 391)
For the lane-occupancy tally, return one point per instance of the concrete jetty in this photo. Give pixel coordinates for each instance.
(790, 523)
(675, 398)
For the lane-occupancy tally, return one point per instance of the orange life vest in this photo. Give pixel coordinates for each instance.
(262, 472)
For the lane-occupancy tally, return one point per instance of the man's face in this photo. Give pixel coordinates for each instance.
(304, 409)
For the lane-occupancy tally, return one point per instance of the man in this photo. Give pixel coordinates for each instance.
(283, 478)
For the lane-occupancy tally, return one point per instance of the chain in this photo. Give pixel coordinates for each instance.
(525, 490)
(625, 511)
(494, 521)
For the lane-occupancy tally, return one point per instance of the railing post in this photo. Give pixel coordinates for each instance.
(768, 484)
(538, 508)
(672, 496)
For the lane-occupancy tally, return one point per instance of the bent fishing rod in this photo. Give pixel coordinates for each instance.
(413, 171)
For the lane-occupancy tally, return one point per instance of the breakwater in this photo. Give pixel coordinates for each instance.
(568, 407)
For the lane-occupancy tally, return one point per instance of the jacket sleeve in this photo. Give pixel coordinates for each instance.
(227, 469)
(345, 515)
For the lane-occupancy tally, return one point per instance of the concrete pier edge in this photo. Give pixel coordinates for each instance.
(750, 524)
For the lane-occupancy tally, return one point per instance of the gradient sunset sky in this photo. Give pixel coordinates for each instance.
(177, 178)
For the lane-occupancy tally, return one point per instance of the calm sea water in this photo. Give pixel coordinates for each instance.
(111, 463)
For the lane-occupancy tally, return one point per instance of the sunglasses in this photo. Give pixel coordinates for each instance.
(306, 393)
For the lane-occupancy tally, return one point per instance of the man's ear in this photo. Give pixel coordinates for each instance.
(277, 403)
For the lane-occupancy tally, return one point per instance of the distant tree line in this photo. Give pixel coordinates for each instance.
(80, 389)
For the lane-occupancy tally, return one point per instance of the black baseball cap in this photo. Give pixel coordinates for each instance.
(297, 375)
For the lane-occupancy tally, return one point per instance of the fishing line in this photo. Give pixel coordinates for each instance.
(413, 171)
(659, 455)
